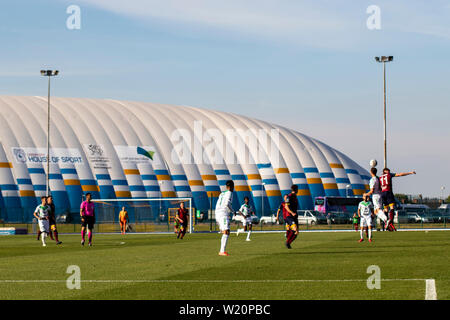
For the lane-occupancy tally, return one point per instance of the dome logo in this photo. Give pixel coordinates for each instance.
(20, 155)
(149, 154)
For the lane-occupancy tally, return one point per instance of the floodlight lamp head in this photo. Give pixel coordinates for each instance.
(49, 73)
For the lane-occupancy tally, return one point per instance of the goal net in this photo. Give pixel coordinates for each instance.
(145, 215)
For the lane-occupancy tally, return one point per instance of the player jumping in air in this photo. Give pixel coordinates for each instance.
(387, 195)
(52, 220)
(246, 211)
(87, 213)
(365, 211)
(41, 213)
(375, 192)
(123, 220)
(291, 220)
(223, 209)
(182, 218)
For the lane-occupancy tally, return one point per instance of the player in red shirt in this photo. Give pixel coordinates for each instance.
(387, 195)
(182, 217)
(282, 209)
(291, 206)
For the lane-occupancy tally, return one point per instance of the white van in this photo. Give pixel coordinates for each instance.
(414, 213)
(311, 217)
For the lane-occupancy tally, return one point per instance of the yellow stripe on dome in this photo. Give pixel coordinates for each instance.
(90, 188)
(330, 186)
(123, 194)
(6, 165)
(27, 193)
(273, 193)
(206, 177)
(358, 192)
(213, 193)
(196, 183)
(168, 194)
(253, 177)
(241, 188)
(72, 182)
(131, 171)
(303, 193)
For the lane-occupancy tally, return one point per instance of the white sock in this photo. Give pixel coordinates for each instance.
(43, 235)
(248, 234)
(370, 233)
(361, 232)
(223, 243)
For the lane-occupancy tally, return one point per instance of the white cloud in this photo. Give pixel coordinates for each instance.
(293, 21)
(315, 23)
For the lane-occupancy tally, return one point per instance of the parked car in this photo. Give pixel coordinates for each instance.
(403, 216)
(241, 219)
(341, 217)
(434, 216)
(445, 207)
(268, 219)
(311, 217)
(444, 212)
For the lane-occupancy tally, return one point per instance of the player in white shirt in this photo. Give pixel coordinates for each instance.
(223, 210)
(246, 211)
(375, 192)
(41, 213)
(365, 211)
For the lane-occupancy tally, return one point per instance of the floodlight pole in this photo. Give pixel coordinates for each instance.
(442, 194)
(48, 141)
(191, 218)
(49, 74)
(384, 115)
(262, 198)
(383, 60)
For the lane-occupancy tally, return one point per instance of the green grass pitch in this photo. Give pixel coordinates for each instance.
(193, 269)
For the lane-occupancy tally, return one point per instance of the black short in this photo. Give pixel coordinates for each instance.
(290, 220)
(88, 221)
(387, 198)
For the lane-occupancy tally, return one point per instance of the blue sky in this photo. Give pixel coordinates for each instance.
(308, 65)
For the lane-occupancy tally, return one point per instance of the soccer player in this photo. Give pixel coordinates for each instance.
(291, 207)
(365, 211)
(176, 226)
(223, 209)
(284, 214)
(281, 209)
(52, 220)
(41, 213)
(87, 213)
(182, 218)
(123, 220)
(387, 195)
(375, 192)
(246, 211)
(355, 221)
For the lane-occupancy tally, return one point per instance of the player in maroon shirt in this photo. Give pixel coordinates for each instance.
(387, 195)
(291, 206)
(182, 217)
